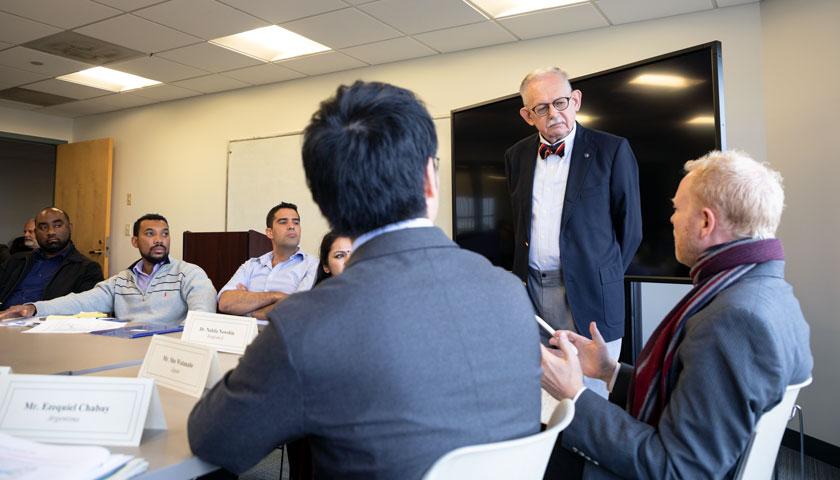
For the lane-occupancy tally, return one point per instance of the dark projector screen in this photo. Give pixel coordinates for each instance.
(670, 108)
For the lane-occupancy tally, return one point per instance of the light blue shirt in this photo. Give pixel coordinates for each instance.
(296, 274)
(143, 279)
(410, 223)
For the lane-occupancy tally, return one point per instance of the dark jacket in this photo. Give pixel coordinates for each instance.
(76, 274)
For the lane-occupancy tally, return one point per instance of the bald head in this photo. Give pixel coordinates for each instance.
(52, 230)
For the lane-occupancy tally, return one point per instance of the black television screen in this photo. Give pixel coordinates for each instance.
(670, 108)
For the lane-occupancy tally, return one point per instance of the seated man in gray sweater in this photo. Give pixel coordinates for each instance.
(155, 289)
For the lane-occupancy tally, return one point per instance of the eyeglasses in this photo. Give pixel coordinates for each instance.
(560, 104)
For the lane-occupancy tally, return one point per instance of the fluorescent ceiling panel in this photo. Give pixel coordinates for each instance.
(270, 44)
(107, 79)
(507, 8)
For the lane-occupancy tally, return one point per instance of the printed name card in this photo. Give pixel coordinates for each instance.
(81, 410)
(225, 333)
(184, 367)
(5, 370)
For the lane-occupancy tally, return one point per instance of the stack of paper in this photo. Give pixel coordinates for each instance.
(81, 323)
(28, 460)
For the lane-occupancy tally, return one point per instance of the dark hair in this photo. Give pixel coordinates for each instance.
(365, 153)
(148, 216)
(326, 244)
(269, 219)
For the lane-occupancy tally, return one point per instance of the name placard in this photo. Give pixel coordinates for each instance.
(225, 333)
(81, 410)
(184, 367)
(5, 370)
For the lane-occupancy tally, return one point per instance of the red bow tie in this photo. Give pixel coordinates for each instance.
(556, 149)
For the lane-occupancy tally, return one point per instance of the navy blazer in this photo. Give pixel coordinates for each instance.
(601, 224)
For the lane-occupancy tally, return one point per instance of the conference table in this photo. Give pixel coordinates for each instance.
(167, 451)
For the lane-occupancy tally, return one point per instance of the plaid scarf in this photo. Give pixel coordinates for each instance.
(716, 269)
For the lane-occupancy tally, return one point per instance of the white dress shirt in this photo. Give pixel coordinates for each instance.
(550, 176)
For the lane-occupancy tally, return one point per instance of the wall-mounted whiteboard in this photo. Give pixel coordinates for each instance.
(263, 172)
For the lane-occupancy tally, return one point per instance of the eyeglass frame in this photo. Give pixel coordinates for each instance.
(552, 104)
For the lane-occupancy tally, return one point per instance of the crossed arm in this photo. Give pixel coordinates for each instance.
(242, 302)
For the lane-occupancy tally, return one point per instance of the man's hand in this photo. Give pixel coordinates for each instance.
(16, 311)
(593, 355)
(562, 376)
(262, 313)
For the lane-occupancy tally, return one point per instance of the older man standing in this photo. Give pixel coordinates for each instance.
(576, 213)
(720, 359)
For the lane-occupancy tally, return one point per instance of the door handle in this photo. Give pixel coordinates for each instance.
(97, 252)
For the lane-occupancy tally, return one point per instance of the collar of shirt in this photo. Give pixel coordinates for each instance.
(62, 254)
(570, 142)
(266, 259)
(411, 223)
(138, 269)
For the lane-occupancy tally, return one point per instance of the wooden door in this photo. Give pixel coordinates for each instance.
(83, 190)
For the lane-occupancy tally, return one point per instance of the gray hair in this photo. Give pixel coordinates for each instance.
(539, 73)
(748, 194)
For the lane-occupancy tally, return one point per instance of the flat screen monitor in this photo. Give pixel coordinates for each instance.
(670, 108)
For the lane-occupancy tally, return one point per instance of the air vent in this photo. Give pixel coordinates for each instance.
(33, 97)
(76, 46)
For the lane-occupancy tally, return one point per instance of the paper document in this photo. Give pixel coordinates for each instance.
(27, 460)
(75, 325)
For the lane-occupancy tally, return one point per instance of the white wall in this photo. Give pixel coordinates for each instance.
(800, 43)
(24, 122)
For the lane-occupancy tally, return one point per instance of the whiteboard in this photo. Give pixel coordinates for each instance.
(263, 172)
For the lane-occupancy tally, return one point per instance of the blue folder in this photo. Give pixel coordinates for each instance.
(140, 330)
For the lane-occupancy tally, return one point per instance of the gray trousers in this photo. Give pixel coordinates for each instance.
(548, 294)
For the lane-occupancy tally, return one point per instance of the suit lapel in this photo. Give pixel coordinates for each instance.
(582, 154)
(527, 167)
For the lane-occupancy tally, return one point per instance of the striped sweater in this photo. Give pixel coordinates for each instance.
(174, 289)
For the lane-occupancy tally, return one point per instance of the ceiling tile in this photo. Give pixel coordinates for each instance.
(138, 33)
(14, 29)
(729, 3)
(277, 12)
(411, 16)
(387, 51)
(65, 13)
(626, 11)
(164, 93)
(14, 76)
(211, 84)
(51, 65)
(128, 5)
(210, 57)
(322, 63)
(262, 74)
(207, 19)
(17, 105)
(466, 37)
(125, 100)
(67, 89)
(554, 22)
(342, 29)
(78, 109)
(156, 68)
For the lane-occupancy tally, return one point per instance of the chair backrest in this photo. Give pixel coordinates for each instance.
(523, 458)
(759, 458)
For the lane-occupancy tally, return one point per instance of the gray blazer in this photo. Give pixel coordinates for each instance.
(418, 348)
(736, 358)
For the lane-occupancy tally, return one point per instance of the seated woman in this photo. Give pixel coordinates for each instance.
(334, 251)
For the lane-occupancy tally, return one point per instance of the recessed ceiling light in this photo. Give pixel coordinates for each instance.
(656, 80)
(507, 8)
(107, 79)
(702, 120)
(270, 44)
